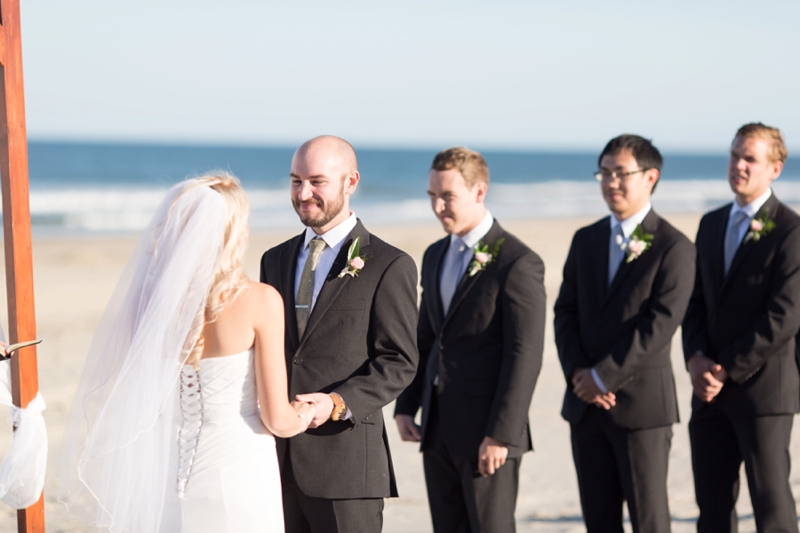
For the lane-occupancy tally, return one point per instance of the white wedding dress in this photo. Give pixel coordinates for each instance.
(225, 467)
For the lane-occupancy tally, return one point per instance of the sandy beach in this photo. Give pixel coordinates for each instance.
(75, 277)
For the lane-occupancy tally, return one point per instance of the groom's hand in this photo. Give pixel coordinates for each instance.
(408, 430)
(324, 406)
(491, 455)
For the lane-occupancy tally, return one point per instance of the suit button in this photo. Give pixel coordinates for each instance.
(441, 347)
(297, 360)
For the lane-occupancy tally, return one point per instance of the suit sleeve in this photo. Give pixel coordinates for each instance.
(772, 329)
(669, 297)
(394, 358)
(694, 325)
(523, 312)
(410, 400)
(567, 320)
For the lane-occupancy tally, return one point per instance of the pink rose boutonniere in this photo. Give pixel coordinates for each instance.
(638, 244)
(759, 227)
(355, 262)
(484, 256)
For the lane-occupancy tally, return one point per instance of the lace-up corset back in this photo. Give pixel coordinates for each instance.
(219, 395)
(224, 462)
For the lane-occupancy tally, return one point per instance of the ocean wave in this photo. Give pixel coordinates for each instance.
(113, 209)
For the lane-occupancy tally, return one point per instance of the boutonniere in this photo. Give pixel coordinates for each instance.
(759, 227)
(483, 256)
(638, 244)
(355, 262)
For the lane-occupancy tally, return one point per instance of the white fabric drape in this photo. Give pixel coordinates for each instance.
(23, 469)
(115, 452)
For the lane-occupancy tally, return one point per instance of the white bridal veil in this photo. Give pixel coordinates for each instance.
(115, 452)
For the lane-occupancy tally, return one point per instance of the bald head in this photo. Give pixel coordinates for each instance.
(324, 176)
(334, 150)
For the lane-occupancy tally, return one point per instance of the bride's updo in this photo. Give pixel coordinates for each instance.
(230, 278)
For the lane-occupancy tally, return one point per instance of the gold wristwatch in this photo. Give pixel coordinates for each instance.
(339, 407)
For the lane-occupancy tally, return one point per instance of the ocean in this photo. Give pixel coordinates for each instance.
(106, 187)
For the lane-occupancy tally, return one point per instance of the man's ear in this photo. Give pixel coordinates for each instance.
(777, 168)
(652, 176)
(482, 188)
(351, 182)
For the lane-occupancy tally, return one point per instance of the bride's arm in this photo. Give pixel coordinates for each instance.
(280, 417)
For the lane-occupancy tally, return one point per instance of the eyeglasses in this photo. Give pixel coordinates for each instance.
(602, 176)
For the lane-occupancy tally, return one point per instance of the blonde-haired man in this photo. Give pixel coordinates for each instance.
(480, 338)
(739, 342)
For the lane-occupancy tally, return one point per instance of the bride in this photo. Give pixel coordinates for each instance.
(166, 433)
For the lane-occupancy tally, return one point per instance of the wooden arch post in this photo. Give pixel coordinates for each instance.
(17, 228)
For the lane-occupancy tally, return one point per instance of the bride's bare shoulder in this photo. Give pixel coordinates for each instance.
(263, 295)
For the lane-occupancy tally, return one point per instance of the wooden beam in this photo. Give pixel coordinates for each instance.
(2, 45)
(17, 229)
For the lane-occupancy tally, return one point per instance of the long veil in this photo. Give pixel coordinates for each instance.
(115, 452)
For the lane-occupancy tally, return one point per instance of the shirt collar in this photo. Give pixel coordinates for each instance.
(335, 236)
(752, 208)
(475, 234)
(630, 223)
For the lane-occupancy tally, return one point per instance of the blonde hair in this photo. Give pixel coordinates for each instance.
(757, 130)
(469, 163)
(230, 278)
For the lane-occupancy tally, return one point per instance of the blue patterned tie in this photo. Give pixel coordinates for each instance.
(452, 270)
(733, 238)
(616, 251)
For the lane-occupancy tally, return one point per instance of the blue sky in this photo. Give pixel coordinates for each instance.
(527, 75)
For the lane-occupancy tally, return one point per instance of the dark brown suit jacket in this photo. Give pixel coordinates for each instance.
(625, 331)
(487, 350)
(747, 321)
(361, 343)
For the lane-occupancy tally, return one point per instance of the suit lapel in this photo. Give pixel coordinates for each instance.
(718, 250)
(600, 256)
(649, 225)
(333, 283)
(434, 283)
(771, 206)
(467, 282)
(287, 279)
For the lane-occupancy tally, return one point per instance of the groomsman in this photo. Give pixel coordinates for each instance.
(626, 285)
(480, 337)
(350, 311)
(739, 342)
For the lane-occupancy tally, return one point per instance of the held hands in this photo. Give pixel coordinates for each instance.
(585, 387)
(323, 405)
(305, 411)
(708, 377)
(409, 431)
(491, 455)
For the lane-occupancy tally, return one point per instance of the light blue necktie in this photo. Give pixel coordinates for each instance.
(734, 237)
(616, 252)
(452, 270)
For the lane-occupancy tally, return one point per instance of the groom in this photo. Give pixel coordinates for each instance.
(351, 316)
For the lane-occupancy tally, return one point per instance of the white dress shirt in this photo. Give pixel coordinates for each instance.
(333, 238)
(628, 227)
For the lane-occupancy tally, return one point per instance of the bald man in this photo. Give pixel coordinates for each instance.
(351, 316)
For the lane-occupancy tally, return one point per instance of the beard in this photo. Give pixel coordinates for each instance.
(329, 211)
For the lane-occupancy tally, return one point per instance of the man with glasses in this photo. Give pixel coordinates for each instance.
(739, 342)
(626, 285)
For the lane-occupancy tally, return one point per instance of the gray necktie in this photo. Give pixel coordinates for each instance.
(733, 238)
(615, 252)
(305, 291)
(452, 270)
